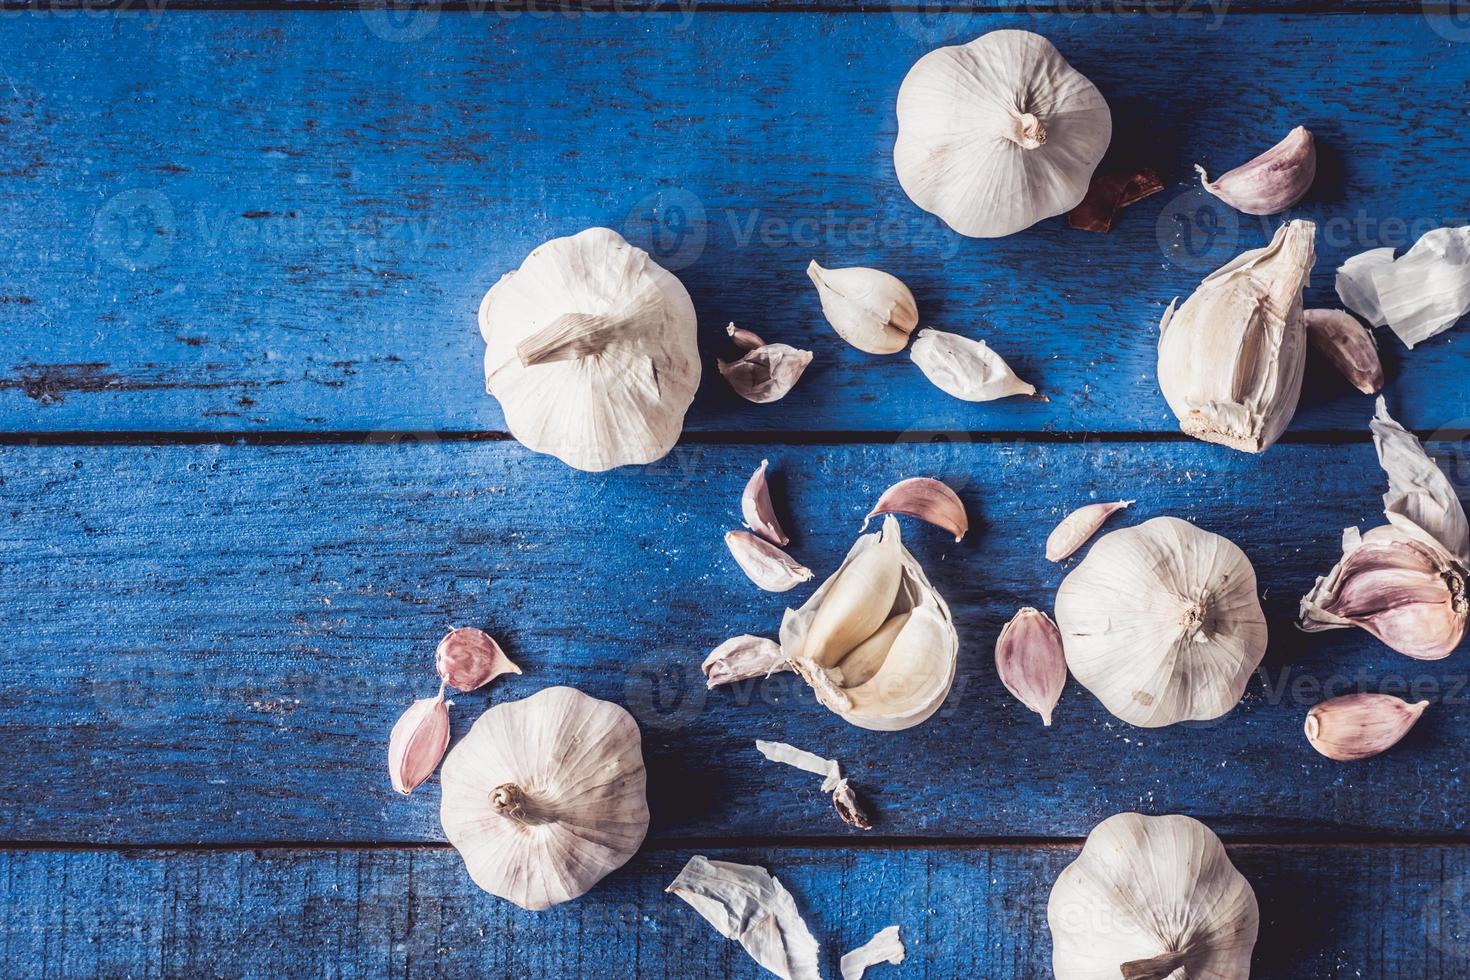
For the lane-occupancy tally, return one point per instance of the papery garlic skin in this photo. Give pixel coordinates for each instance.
(766, 374)
(998, 134)
(765, 564)
(1418, 295)
(1347, 345)
(746, 903)
(417, 742)
(1162, 623)
(870, 309)
(1360, 726)
(468, 659)
(1030, 661)
(1273, 181)
(884, 947)
(1152, 898)
(1231, 357)
(967, 369)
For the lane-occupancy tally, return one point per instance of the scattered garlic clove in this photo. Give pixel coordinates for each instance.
(748, 904)
(744, 339)
(1273, 181)
(1358, 726)
(1348, 345)
(1077, 527)
(766, 374)
(868, 308)
(865, 659)
(884, 947)
(467, 659)
(742, 658)
(927, 499)
(859, 600)
(1030, 661)
(765, 564)
(967, 369)
(845, 801)
(418, 741)
(755, 507)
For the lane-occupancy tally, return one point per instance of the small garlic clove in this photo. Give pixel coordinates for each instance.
(766, 374)
(418, 741)
(1273, 181)
(845, 800)
(742, 658)
(765, 564)
(1030, 661)
(1077, 527)
(755, 507)
(870, 309)
(467, 659)
(1358, 726)
(859, 601)
(744, 339)
(1348, 345)
(927, 499)
(967, 369)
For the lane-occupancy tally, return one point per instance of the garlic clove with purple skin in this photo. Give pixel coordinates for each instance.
(1273, 181)
(756, 508)
(1030, 661)
(1360, 726)
(1348, 345)
(766, 374)
(744, 339)
(418, 741)
(467, 659)
(927, 499)
(765, 564)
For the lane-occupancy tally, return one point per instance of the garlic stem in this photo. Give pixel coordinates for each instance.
(569, 337)
(511, 802)
(1159, 967)
(1029, 133)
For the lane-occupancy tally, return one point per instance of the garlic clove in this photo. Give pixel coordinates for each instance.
(865, 659)
(917, 671)
(1030, 661)
(967, 369)
(468, 659)
(766, 374)
(1348, 345)
(859, 601)
(884, 947)
(748, 904)
(1077, 527)
(742, 658)
(870, 309)
(418, 741)
(845, 801)
(744, 339)
(927, 499)
(1358, 726)
(755, 507)
(765, 564)
(1273, 181)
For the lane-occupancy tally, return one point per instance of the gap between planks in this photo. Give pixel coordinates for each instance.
(1070, 9)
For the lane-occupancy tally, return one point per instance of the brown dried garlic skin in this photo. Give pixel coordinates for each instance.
(468, 659)
(1360, 726)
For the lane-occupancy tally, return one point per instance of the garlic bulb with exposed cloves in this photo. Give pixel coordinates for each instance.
(545, 796)
(589, 347)
(998, 134)
(1231, 358)
(1152, 898)
(1161, 622)
(876, 642)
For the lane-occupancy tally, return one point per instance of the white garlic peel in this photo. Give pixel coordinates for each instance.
(868, 308)
(1152, 898)
(1418, 295)
(806, 761)
(900, 679)
(967, 369)
(590, 349)
(1162, 623)
(998, 134)
(748, 904)
(884, 947)
(545, 796)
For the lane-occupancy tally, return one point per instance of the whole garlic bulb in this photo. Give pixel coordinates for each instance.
(545, 796)
(1161, 622)
(876, 642)
(590, 349)
(1152, 898)
(998, 134)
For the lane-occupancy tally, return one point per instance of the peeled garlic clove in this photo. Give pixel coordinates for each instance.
(845, 801)
(418, 741)
(744, 339)
(859, 601)
(765, 564)
(1273, 181)
(1077, 527)
(468, 659)
(1348, 345)
(967, 369)
(865, 659)
(868, 308)
(1231, 358)
(1030, 661)
(767, 373)
(755, 507)
(927, 499)
(742, 658)
(748, 904)
(884, 947)
(1358, 726)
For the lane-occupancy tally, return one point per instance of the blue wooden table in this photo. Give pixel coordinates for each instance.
(251, 475)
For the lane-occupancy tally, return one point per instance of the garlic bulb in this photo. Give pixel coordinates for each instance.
(545, 796)
(1161, 622)
(590, 349)
(876, 642)
(1231, 358)
(1152, 898)
(998, 134)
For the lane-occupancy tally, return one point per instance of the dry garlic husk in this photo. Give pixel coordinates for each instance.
(765, 374)
(1161, 622)
(1359, 726)
(1403, 582)
(1348, 345)
(1273, 181)
(967, 369)
(998, 134)
(1418, 295)
(1077, 527)
(545, 796)
(748, 904)
(1030, 661)
(1231, 358)
(868, 308)
(884, 947)
(876, 641)
(590, 349)
(930, 500)
(1152, 898)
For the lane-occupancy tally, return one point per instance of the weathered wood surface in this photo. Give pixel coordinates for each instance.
(1326, 913)
(277, 221)
(210, 643)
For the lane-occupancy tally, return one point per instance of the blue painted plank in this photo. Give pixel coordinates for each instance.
(275, 220)
(1389, 912)
(210, 643)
